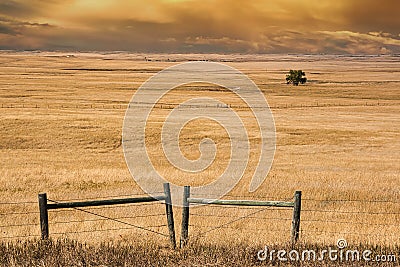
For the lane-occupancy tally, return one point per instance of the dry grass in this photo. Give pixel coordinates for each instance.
(65, 252)
(347, 147)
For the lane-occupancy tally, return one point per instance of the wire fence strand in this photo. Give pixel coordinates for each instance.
(234, 228)
(352, 200)
(352, 212)
(103, 219)
(19, 225)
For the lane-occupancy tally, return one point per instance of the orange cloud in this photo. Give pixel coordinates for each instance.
(274, 26)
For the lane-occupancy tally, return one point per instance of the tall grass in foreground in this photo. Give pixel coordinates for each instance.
(65, 252)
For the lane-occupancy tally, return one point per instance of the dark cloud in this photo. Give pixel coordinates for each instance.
(14, 8)
(25, 9)
(5, 29)
(373, 15)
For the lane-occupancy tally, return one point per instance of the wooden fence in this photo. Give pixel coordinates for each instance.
(44, 207)
(323, 219)
(187, 200)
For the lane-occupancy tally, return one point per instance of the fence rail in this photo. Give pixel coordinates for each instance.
(241, 202)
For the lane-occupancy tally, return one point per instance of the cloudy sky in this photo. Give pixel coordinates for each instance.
(218, 26)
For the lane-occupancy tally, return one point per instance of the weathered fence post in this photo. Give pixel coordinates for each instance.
(44, 216)
(296, 217)
(185, 217)
(170, 215)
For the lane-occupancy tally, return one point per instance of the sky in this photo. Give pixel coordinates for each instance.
(202, 26)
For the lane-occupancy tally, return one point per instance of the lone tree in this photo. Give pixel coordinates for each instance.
(295, 77)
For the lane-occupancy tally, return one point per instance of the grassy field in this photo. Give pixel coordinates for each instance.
(337, 141)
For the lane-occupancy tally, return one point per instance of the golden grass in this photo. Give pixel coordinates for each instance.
(337, 138)
(67, 252)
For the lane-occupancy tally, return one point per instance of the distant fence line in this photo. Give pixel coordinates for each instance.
(177, 105)
(33, 226)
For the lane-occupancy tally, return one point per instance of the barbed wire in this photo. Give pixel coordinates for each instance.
(18, 236)
(235, 228)
(103, 219)
(352, 212)
(19, 225)
(351, 200)
(343, 233)
(19, 213)
(100, 230)
(177, 105)
(349, 222)
(18, 203)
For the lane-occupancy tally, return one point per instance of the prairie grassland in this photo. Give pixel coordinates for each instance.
(337, 139)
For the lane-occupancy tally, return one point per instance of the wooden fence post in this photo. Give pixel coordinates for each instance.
(170, 215)
(185, 217)
(44, 216)
(296, 217)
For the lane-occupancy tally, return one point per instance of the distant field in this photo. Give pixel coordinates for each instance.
(338, 140)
